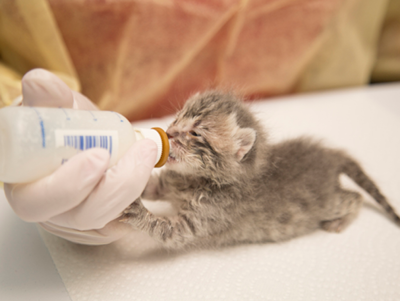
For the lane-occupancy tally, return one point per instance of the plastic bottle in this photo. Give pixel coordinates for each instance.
(36, 141)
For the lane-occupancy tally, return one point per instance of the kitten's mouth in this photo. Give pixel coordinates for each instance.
(172, 159)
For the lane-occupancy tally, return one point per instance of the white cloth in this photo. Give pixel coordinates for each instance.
(362, 263)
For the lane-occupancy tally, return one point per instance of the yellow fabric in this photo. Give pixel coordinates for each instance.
(347, 49)
(10, 85)
(142, 58)
(387, 67)
(30, 38)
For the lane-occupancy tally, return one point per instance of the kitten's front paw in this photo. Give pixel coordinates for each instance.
(133, 212)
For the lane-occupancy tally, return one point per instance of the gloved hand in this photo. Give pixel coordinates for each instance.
(82, 200)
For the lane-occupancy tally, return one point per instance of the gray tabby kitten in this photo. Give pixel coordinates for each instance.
(231, 186)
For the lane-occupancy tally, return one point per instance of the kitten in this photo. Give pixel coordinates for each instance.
(231, 186)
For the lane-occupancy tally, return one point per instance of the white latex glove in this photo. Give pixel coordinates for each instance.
(82, 200)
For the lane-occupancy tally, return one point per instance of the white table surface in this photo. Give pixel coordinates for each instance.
(27, 271)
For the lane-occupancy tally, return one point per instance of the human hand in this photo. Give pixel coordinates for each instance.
(82, 200)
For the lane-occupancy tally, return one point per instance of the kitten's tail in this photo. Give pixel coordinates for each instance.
(354, 171)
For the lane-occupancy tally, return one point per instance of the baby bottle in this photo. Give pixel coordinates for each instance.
(36, 141)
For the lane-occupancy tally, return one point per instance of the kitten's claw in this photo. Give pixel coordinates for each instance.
(128, 213)
(132, 212)
(124, 219)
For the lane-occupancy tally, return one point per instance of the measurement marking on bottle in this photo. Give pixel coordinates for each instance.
(119, 116)
(43, 133)
(94, 117)
(66, 114)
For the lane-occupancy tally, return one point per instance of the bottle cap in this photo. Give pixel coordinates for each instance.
(159, 136)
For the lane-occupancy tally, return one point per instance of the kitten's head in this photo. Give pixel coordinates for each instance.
(214, 136)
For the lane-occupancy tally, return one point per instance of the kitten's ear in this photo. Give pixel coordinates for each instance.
(245, 139)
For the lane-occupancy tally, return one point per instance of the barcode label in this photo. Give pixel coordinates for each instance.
(82, 140)
(85, 142)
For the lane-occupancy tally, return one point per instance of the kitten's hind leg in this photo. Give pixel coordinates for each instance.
(345, 209)
(339, 224)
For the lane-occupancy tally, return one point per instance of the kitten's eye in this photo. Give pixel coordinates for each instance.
(193, 133)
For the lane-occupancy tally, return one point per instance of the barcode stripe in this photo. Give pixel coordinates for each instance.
(82, 142)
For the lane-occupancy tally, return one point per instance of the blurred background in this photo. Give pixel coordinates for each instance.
(143, 58)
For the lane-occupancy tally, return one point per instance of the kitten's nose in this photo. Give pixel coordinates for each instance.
(171, 134)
